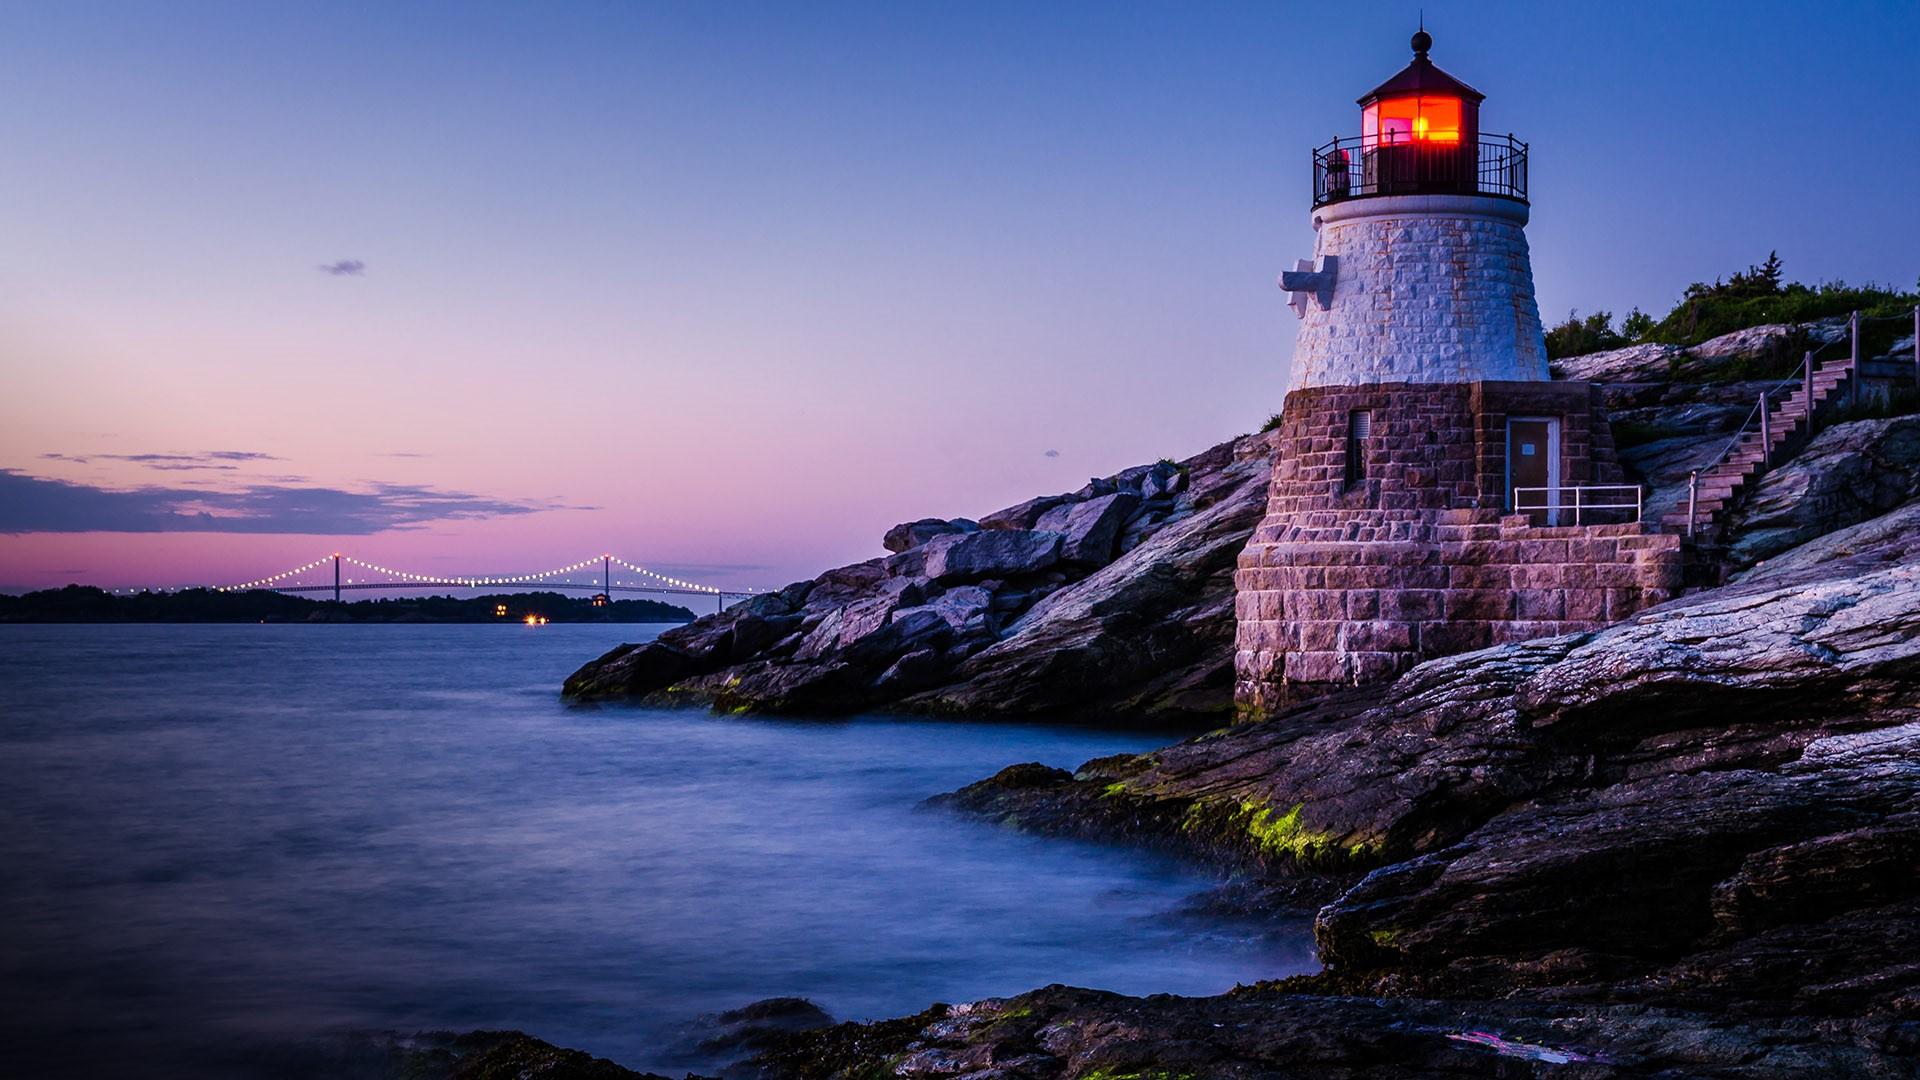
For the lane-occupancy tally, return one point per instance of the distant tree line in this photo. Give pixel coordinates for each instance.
(83, 603)
(1756, 296)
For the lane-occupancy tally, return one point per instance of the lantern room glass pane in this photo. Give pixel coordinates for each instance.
(1439, 120)
(1412, 119)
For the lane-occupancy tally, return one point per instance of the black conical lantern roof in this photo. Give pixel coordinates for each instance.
(1422, 77)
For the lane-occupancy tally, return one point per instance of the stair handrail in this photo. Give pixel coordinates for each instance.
(1802, 374)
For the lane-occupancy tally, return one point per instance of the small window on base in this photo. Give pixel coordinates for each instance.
(1359, 429)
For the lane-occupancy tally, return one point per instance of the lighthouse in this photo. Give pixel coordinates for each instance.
(1434, 490)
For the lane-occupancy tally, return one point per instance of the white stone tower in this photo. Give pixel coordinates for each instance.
(1428, 288)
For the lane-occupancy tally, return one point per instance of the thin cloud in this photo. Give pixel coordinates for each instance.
(404, 454)
(344, 268)
(1053, 453)
(224, 460)
(39, 504)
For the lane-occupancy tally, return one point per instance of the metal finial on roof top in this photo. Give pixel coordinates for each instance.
(1422, 41)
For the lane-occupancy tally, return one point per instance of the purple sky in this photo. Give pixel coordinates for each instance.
(729, 289)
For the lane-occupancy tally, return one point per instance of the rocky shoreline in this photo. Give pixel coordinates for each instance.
(1686, 844)
(1111, 602)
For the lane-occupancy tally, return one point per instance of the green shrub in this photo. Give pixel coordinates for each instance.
(1578, 337)
(1595, 333)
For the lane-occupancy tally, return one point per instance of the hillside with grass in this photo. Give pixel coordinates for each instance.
(1756, 296)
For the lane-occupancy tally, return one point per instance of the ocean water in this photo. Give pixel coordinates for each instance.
(219, 836)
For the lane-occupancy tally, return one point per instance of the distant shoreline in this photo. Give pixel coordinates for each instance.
(86, 604)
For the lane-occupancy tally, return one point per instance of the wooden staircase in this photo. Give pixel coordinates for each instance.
(1757, 446)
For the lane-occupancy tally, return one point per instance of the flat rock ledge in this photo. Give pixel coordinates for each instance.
(1754, 347)
(1065, 1033)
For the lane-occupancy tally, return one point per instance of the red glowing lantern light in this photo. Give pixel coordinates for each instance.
(1418, 119)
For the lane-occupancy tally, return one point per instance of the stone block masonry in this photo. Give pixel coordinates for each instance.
(1314, 615)
(1367, 564)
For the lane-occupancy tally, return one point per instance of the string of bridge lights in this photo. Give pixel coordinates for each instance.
(262, 583)
(510, 579)
(470, 582)
(662, 577)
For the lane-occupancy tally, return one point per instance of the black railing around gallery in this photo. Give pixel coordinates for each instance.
(1359, 168)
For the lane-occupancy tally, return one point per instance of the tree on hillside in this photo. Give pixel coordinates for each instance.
(1577, 336)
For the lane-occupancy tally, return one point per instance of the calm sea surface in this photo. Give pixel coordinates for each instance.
(216, 835)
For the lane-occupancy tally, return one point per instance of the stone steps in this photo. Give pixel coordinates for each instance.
(1787, 420)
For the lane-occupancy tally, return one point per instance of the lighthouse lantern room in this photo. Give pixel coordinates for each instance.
(1420, 133)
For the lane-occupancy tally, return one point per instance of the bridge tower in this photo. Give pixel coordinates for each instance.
(1425, 459)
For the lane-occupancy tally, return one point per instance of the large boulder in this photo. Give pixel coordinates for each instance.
(1024, 515)
(912, 534)
(957, 607)
(843, 628)
(1089, 529)
(842, 585)
(629, 669)
(991, 553)
(1773, 341)
(1164, 479)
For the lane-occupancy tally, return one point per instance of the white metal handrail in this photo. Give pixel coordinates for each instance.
(1581, 504)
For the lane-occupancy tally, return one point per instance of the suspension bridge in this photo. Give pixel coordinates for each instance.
(350, 574)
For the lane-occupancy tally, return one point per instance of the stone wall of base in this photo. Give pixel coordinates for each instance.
(1314, 615)
(1378, 554)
